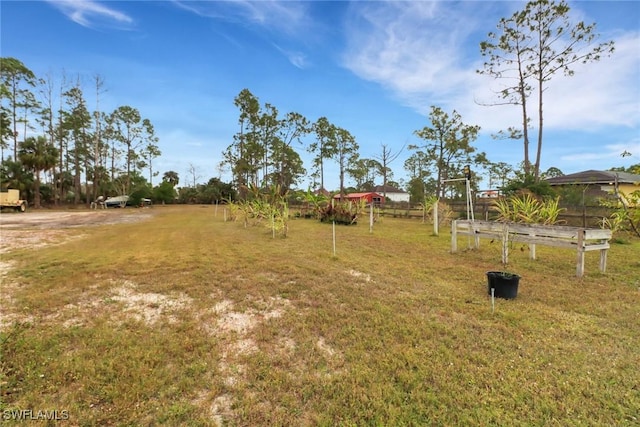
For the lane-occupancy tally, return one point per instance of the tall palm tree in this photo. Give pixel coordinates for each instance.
(171, 177)
(37, 155)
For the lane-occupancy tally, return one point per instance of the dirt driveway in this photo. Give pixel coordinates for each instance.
(38, 228)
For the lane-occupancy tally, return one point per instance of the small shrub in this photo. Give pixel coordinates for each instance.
(626, 215)
(266, 207)
(525, 208)
(340, 213)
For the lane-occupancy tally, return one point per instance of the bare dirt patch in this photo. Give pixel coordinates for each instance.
(149, 307)
(68, 219)
(37, 229)
(42, 228)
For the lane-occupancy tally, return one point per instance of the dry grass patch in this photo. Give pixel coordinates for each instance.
(187, 320)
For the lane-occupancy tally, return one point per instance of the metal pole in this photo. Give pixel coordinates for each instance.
(470, 214)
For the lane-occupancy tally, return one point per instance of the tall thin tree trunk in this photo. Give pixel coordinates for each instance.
(36, 196)
(321, 174)
(14, 116)
(540, 120)
(97, 140)
(525, 131)
(113, 160)
(76, 177)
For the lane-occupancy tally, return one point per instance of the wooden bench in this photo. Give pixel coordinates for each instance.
(578, 238)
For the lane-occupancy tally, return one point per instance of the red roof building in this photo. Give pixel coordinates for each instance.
(370, 197)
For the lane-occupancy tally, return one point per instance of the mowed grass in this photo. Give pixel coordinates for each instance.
(185, 319)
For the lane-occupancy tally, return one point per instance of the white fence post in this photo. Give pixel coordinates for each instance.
(435, 218)
(580, 262)
(454, 236)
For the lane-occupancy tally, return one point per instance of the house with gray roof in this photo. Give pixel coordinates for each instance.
(599, 183)
(392, 194)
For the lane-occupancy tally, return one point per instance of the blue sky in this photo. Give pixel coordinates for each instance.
(373, 68)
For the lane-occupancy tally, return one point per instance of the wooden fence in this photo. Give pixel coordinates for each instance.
(577, 216)
(572, 215)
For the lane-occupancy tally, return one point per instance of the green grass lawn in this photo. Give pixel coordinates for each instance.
(185, 319)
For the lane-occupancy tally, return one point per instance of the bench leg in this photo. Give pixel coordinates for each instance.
(580, 263)
(603, 260)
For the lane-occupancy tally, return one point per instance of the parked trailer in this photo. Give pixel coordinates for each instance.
(11, 199)
(116, 202)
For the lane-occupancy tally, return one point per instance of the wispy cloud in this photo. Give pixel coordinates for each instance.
(415, 49)
(602, 93)
(92, 14)
(297, 58)
(277, 18)
(420, 52)
(281, 16)
(385, 45)
(608, 151)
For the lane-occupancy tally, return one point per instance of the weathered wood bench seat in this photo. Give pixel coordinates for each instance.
(582, 239)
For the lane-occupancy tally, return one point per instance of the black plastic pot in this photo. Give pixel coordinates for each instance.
(505, 285)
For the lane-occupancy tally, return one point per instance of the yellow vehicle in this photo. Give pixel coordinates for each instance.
(11, 199)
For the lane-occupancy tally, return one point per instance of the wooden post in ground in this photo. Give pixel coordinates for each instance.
(371, 218)
(476, 236)
(454, 236)
(603, 260)
(532, 246)
(435, 218)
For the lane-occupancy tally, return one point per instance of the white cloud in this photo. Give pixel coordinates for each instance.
(403, 46)
(598, 95)
(297, 59)
(602, 93)
(421, 52)
(608, 151)
(90, 14)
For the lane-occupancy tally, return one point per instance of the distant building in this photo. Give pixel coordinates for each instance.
(599, 183)
(370, 197)
(392, 194)
(488, 194)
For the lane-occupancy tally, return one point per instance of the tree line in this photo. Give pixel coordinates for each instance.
(47, 129)
(266, 151)
(524, 54)
(82, 154)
